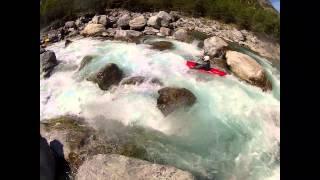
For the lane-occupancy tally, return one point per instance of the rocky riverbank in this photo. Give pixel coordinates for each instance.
(126, 25)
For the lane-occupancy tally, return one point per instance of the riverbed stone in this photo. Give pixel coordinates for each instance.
(172, 98)
(107, 76)
(246, 68)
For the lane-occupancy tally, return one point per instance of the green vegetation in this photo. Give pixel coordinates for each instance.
(247, 14)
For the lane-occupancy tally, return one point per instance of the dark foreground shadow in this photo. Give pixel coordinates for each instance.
(53, 165)
(62, 166)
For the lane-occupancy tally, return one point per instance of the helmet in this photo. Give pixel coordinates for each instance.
(206, 58)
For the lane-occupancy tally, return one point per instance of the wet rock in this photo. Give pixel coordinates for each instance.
(156, 81)
(48, 61)
(109, 75)
(165, 18)
(67, 42)
(248, 69)
(138, 23)
(85, 61)
(114, 166)
(165, 31)
(214, 46)
(161, 45)
(136, 80)
(70, 24)
(79, 140)
(154, 21)
(171, 98)
(123, 21)
(93, 30)
(180, 35)
(150, 31)
(72, 33)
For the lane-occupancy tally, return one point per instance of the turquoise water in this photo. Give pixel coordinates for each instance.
(232, 132)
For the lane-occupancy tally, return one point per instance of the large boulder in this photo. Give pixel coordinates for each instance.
(47, 161)
(137, 23)
(70, 24)
(232, 35)
(123, 21)
(48, 61)
(171, 98)
(180, 35)
(136, 80)
(165, 31)
(127, 35)
(93, 30)
(103, 19)
(175, 15)
(113, 166)
(150, 31)
(107, 76)
(214, 46)
(154, 21)
(95, 20)
(166, 18)
(246, 68)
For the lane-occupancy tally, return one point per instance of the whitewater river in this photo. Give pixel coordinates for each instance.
(232, 132)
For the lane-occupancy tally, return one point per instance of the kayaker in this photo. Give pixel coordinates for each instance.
(205, 65)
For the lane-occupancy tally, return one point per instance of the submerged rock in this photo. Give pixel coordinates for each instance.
(136, 80)
(68, 41)
(109, 75)
(48, 61)
(248, 69)
(171, 98)
(162, 45)
(85, 61)
(93, 30)
(114, 166)
(138, 23)
(214, 46)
